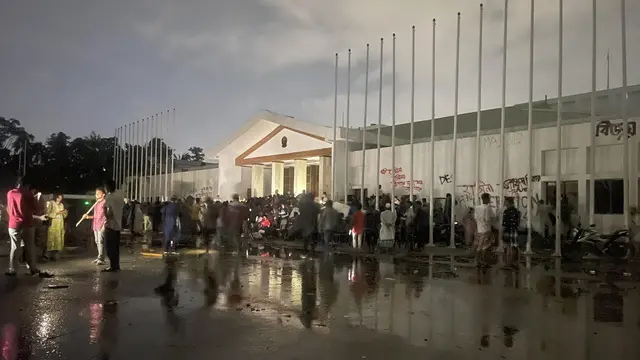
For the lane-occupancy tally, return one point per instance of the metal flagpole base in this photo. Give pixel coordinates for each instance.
(528, 252)
(556, 254)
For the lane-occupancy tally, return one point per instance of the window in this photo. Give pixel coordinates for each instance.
(609, 196)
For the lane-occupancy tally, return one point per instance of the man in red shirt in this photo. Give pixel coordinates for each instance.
(22, 208)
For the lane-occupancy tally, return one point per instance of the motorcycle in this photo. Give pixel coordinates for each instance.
(617, 245)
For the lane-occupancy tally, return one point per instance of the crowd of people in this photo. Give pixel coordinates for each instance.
(377, 224)
(36, 227)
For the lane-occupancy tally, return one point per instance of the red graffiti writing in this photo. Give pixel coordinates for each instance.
(400, 180)
(390, 171)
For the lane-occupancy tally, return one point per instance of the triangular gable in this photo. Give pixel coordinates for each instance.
(284, 143)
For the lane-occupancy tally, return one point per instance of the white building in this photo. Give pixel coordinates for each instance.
(276, 152)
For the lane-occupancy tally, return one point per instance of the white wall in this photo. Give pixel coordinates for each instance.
(233, 179)
(197, 183)
(575, 144)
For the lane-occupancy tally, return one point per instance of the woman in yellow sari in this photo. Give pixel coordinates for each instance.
(55, 236)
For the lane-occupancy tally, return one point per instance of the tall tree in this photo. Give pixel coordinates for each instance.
(196, 153)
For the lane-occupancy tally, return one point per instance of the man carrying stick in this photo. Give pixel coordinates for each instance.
(98, 223)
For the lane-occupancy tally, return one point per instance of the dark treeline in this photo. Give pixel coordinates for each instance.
(60, 163)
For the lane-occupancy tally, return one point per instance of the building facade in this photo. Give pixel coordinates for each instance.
(277, 152)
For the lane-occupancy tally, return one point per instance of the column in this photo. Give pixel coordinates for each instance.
(277, 178)
(325, 176)
(257, 180)
(299, 176)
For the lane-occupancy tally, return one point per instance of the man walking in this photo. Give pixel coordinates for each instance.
(114, 204)
(328, 223)
(511, 225)
(238, 214)
(22, 208)
(170, 214)
(485, 218)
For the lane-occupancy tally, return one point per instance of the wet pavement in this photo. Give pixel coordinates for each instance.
(275, 303)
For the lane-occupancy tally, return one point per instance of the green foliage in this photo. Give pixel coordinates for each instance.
(62, 164)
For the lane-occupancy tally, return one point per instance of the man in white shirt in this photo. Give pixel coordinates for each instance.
(114, 205)
(485, 218)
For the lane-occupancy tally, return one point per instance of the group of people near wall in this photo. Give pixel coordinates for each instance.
(37, 232)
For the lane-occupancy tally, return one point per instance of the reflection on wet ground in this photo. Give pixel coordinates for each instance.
(547, 308)
(264, 301)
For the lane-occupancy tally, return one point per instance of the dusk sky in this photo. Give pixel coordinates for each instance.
(82, 65)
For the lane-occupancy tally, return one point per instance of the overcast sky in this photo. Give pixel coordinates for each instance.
(83, 65)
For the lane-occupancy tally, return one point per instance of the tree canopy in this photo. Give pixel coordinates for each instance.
(60, 163)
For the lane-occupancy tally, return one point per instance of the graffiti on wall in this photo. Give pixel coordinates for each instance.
(400, 181)
(203, 191)
(607, 128)
(445, 179)
(511, 139)
(516, 189)
(519, 184)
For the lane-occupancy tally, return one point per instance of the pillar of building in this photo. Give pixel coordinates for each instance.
(277, 178)
(299, 176)
(325, 176)
(257, 180)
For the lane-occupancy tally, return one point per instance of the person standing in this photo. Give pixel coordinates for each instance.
(170, 214)
(387, 228)
(329, 222)
(55, 235)
(114, 204)
(21, 209)
(307, 221)
(98, 222)
(237, 215)
(485, 219)
(357, 226)
(511, 225)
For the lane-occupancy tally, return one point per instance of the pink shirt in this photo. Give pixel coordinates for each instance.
(99, 216)
(21, 206)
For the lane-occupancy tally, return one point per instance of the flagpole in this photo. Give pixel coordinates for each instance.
(433, 129)
(166, 161)
(346, 159)
(334, 176)
(133, 161)
(125, 156)
(479, 116)
(121, 154)
(115, 147)
(129, 157)
(131, 186)
(592, 148)
(364, 126)
(378, 207)
(452, 239)
(503, 116)
(393, 126)
(127, 174)
(154, 126)
(413, 108)
(528, 250)
(137, 160)
(173, 125)
(558, 252)
(116, 171)
(160, 154)
(625, 118)
(143, 181)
